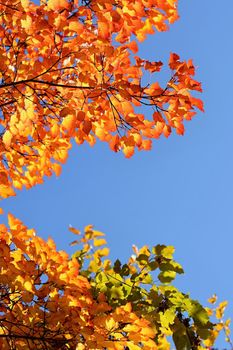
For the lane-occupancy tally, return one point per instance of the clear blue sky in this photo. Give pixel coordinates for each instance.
(181, 192)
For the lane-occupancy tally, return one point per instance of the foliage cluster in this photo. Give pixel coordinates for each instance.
(71, 71)
(49, 300)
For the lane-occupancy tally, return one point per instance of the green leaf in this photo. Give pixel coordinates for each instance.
(117, 292)
(166, 266)
(171, 266)
(203, 333)
(135, 295)
(125, 270)
(134, 277)
(143, 259)
(101, 278)
(166, 276)
(181, 339)
(78, 254)
(126, 290)
(115, 279)
(117, 266)
(158, 249)
(199, 314)
(146, 279)
(177, 267)
(153, 265)
(167, 318)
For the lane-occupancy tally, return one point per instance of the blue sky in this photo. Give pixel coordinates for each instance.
(181, 192)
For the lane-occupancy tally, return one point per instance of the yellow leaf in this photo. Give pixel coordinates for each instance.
(6, 191)
(99, 242)
(148, 331)
(97, 233)
(220, 309)
(132, 346)
(55, 130)
(128, 151)
(103, 252)
(88, 229)
(69, 122)
(25, 3)
(127, 307)
(7, 137)
(213, 299)
(111, 324)
(26, 23)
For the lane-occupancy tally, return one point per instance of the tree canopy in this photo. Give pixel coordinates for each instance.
(69, 70)
(52, 301)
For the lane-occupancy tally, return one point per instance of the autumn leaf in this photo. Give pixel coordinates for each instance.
(7, 137)
(57, 4)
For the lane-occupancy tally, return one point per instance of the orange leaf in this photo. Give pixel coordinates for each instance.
(81, 116)
(146, 145)
(174, 60)
(57, 169)
(153, 66)
(166, 130)
(57, 4)
(128, 151)
(103, 30)
(4, 178)
(76, 26)
(198, 103)
(87, 125)
(133, 46)
(55, 130)
(6, 191)
(74, 230)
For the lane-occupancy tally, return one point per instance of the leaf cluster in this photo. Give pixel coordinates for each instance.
(70, 71)
(144, 282)
(50, 300)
